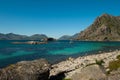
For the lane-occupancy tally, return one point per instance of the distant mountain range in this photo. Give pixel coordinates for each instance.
(12, 36)
(67, 37)
(105, 28)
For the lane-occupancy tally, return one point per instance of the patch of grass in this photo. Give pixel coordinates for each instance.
(114, 65)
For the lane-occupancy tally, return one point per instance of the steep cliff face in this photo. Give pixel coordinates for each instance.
(26, 70)
(105, 27)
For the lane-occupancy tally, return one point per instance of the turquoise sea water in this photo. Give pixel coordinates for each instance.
(53, 51)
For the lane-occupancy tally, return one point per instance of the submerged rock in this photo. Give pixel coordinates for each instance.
(26, 70)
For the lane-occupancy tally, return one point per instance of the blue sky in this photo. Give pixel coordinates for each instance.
(52, 17)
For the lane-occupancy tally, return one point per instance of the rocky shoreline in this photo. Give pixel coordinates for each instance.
(72, 66)
(90, 67)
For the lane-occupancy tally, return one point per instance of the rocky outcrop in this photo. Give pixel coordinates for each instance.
(26, 70)
(91, 67)
(104, 28)
(93, 72)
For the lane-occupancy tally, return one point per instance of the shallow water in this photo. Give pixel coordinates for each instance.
(53, 51)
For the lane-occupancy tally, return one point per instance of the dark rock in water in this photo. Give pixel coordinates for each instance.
(26, 70)
(50, 39)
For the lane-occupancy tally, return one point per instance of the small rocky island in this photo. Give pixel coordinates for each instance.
(43, 41)
(30, 42)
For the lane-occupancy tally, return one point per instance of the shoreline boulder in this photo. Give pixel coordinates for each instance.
(26, 70)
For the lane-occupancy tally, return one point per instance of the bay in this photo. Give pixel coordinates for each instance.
(54, 52)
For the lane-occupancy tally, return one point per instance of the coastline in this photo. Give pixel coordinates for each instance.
(72, 66)
(89, 67)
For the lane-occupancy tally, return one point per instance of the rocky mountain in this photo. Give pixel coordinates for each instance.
(12, 36)
(38, 37)
(75, 36)
(105, 28)
(65, 37)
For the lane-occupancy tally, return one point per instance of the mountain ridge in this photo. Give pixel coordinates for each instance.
(65, 37)
(105, 28)
(12, 36)
(68, 37)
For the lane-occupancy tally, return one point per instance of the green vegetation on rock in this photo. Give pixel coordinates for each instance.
(118, 57)
(114, 65)
(66, 79)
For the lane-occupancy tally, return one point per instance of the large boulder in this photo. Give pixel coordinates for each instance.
(92, 72)
(26, 70)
